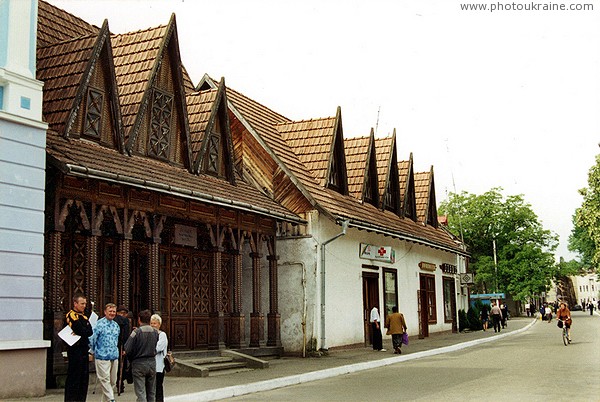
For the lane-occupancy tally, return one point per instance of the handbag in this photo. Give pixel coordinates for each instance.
(169, 361)
(405, 338)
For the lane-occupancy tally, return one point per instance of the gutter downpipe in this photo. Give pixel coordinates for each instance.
(342, 233)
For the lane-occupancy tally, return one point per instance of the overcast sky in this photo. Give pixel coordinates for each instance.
(509, 98)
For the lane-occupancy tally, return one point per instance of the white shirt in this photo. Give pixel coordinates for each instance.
(161, 351)
(374, 315)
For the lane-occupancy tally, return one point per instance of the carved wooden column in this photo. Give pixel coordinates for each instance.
(123, 278)
(257, 319)
(216, 337)
(92, 272)
(53, 268)
(237, 323)
(273, 317)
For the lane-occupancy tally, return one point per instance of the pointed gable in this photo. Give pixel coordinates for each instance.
(387, 167)
(210, 133)
(80, 95)
(425, 197)
(152, 94)
(407, 188)
(361, 168)
(319, 144)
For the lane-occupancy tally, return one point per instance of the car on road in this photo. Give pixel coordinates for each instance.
(577, 307)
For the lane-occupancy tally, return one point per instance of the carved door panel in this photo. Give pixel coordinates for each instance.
(202, 298)
(180, 299)
(72, 275)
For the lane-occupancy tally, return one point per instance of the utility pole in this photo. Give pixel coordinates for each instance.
(495, 267)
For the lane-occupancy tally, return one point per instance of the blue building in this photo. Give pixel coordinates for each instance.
(22, 183)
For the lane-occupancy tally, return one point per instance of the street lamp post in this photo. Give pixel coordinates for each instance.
(495, 267)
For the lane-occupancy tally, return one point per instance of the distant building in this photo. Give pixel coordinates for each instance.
(22, 183)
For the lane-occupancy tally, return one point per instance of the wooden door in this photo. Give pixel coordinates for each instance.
(139, 283)
(370, 300)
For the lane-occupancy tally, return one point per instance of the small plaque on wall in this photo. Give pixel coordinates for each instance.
(186, 235)
(427, 266)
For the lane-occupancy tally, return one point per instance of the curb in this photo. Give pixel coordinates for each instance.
(267, 385)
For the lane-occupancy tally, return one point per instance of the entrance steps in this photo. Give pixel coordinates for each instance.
(204, 363)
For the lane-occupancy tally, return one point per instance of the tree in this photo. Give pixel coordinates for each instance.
(525, 262)
(585, 237)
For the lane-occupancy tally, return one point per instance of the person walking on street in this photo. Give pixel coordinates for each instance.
(396, 326)
(591, 307)
(78, 372)
(496, 314)
(376, 330)
(104, 344)
(485, 317)
(124, 331)
(548, 311)
(504, 310)
(161, 352)
(140, 349)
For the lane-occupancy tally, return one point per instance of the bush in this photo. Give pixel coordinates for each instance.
(463, 322)
(473, 319)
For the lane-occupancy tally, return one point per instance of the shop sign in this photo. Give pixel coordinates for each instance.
(427, 266)
(378, 253)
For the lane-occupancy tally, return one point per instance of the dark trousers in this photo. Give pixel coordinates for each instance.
(160, 378)
(78, 376)
(377, 338)
(496, 319)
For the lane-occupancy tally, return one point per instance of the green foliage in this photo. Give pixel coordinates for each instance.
(524, 249)
(473, 319)
(585, 237)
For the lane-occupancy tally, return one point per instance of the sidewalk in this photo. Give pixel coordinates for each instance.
(295, 370)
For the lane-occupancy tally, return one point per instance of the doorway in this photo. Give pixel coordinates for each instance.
(370, 299)
(139, 283)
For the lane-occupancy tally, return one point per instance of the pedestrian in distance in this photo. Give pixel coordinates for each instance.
(504, 310)
(548, 312)
(496, 314)
(161, 352)
(376, 330)
(543, 312)
(396, 326)
(104, 344)
(484, 316)
(124, 330)
(78, 372)
(528, 309)
(140, 349)
(591, 307)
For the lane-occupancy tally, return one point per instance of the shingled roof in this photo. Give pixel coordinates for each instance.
(57, 25)
(268, 126)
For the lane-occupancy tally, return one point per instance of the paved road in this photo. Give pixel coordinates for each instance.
(531, 366)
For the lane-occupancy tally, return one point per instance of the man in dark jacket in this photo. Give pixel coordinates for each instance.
(78, 372)
(140, 349)
(123, 322)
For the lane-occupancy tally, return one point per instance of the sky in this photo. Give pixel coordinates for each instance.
(505, 98)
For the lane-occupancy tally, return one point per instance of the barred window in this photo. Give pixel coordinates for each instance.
(160, 124)
(92, 125)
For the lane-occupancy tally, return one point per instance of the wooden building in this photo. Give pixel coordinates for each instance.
(145, 205)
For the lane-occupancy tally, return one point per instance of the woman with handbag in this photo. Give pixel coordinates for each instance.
(396, 326)
(161, 352)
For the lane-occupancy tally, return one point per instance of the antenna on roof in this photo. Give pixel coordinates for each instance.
(377, 122)
(454, 187)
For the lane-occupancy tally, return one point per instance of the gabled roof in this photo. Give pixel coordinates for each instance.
(425, 197)
(57, 25)
(357, 155)
(361, 167)
(135, 55)
(67, 69)
(384, 147)
(319, 145)
(407, 188)
(207, 110)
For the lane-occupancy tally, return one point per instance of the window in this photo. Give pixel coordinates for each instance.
(160, 124)
(1, 96)
(390, 289)
(448, 299)
(92, 125)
